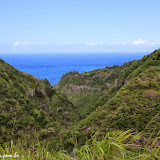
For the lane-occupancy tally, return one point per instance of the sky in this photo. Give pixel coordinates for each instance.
(55, 26)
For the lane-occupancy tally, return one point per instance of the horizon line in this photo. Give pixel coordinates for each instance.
(77, 52)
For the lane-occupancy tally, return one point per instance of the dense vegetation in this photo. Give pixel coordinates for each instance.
(92, 121)
(132, 100)
(114, 145)
(29, 105)
(84, 90)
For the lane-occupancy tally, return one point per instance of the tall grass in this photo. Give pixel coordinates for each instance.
(120, 145)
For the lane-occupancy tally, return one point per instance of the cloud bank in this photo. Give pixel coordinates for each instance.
(92, 44)
(18, 43)
(144, 42)
(138, 42)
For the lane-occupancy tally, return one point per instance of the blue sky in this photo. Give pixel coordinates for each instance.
(51, 26)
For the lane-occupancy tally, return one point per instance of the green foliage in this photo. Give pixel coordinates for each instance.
(122, 145)
(131, 98)
(29, 105)
(49, 91)
(114, 98)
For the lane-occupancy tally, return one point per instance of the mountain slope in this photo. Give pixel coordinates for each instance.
(29, 104)
(134, 106)
(85, 89)
(115, 98)
(92, 89)
(132, 102)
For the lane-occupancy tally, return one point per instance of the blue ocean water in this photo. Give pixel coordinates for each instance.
(53, 66)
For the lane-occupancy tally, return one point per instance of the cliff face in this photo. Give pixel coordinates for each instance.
(29, 104)
(85, 89)
(92, 89)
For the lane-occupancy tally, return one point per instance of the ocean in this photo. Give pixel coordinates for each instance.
(53, 66)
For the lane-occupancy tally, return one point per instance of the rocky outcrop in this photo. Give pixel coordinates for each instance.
(106, 75)
(82, 87)
(108, 84)
(31, 93)
(70, 74)
(118, 82)
(43, 90)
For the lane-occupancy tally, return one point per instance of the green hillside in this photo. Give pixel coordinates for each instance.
(92, 89)
(90, 114)
(85, 89)
(131, 102)
(134, 105)
(30, 105)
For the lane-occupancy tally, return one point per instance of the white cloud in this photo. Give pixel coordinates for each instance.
(155, 43)
(139, 42)
(144, 42)
(21, 43)
(92, 44)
